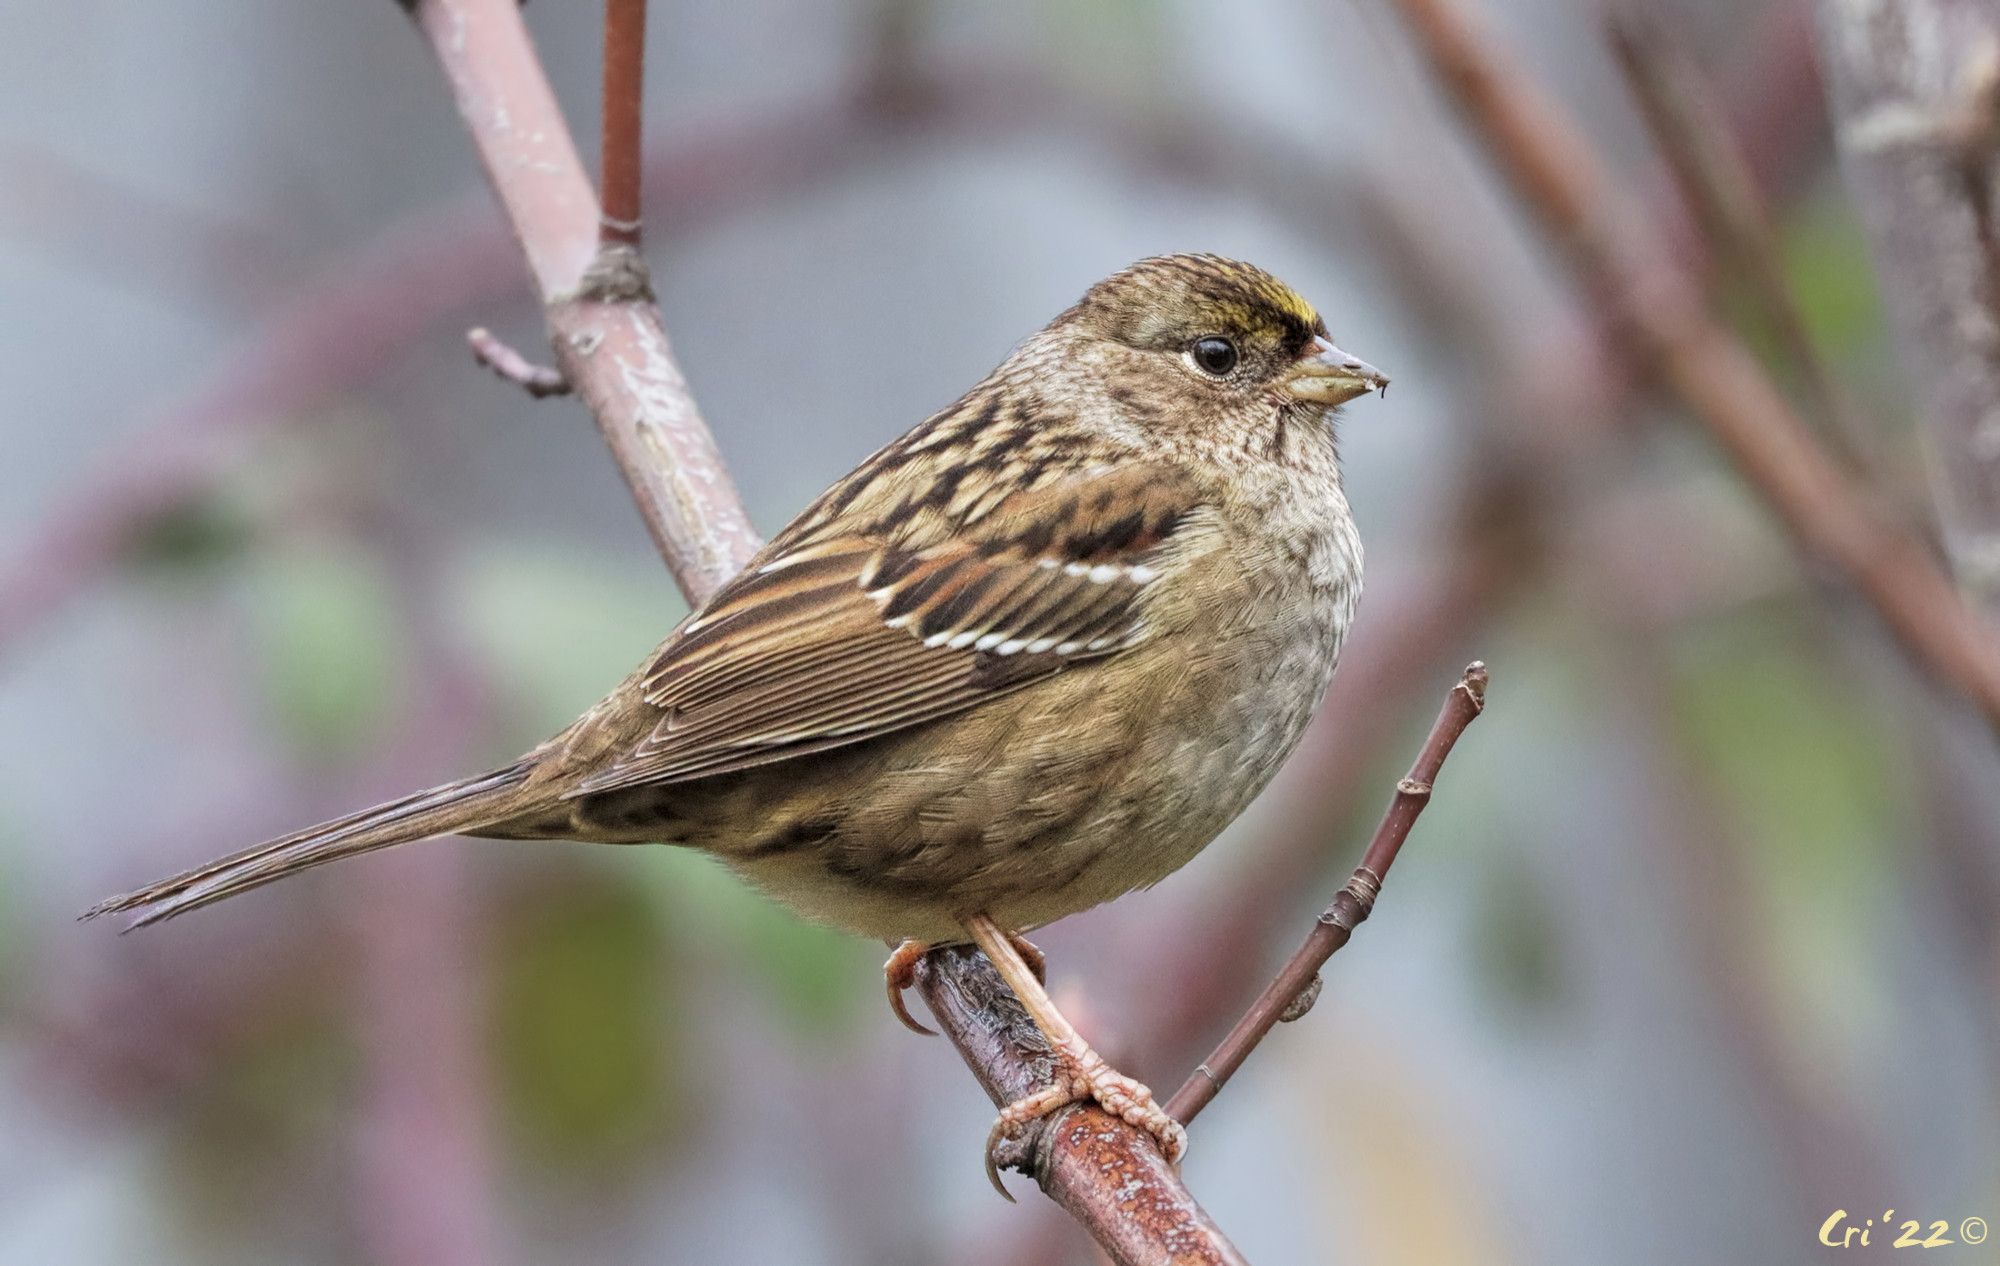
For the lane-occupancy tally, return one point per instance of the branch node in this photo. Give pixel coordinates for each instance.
(1364, 885)
(617, 275)
(1412, 787)
(623, 232)
(1340, 913)
(1301, 1003)
(539, 381)
(1474, 682)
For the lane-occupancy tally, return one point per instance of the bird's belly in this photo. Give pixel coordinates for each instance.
(1191, 775)
(1044, 803)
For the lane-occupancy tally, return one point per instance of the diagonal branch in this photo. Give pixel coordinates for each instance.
(611, 346)
(1105, 1173)
(1694, 135)
(1293, 992)
(609, 341)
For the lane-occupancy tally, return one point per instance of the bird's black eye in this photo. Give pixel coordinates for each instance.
(1215, 354)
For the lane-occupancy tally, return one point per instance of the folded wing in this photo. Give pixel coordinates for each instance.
(834, 640)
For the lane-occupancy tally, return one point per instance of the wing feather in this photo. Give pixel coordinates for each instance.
(841, 638)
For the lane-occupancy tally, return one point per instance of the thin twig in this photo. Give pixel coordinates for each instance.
(1290, 995)
(539, 381)
(624, 112)
(612, 346)
(1662, 315)
(1684, 113)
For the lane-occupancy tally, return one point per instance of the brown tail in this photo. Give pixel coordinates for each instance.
(466, 805)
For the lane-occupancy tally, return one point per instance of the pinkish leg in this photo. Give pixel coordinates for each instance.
(1081, 1073)
(901, 972)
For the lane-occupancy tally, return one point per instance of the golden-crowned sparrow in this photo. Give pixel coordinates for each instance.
(1034, 654)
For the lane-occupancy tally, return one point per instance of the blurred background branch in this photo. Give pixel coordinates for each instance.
(1716, 184)
(1556, 173)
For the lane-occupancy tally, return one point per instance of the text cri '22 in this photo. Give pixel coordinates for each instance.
(1839, 1232)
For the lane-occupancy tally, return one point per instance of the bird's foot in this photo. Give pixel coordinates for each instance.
(901, 972)
(1081, 1074)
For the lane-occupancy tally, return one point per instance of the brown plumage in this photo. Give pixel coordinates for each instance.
(1033, 654)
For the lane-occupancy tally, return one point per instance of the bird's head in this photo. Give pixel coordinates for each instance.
(1215, 334)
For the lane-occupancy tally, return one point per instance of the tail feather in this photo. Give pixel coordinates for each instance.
(465, 805)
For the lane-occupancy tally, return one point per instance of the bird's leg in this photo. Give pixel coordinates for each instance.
(1080, 1073)
(901, 972)
(1031, 954)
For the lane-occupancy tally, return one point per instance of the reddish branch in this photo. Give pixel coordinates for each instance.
(1661, 313)
(1106, 1174)
(1291, 994)
(624, 111)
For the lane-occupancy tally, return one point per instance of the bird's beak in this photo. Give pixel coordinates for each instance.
(1326, 375)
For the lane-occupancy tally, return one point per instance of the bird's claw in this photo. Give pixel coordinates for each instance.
(900, 972)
